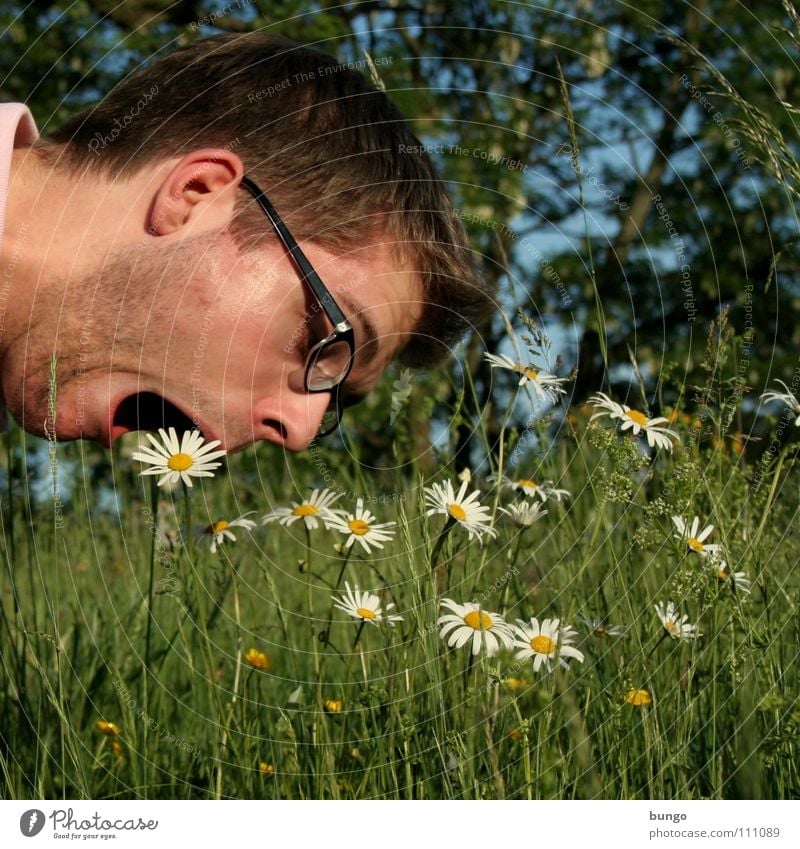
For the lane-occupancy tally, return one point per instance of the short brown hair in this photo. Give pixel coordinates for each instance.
(335, 155)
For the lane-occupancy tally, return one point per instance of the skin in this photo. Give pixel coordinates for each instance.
(138, 286)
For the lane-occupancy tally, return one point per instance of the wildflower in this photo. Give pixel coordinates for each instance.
(721, 570)
(531, 488)
(362, 528)
(216, 533)
(600, 629)
(315, 509)
(266, 769)
(191, 457)
(514, 683)
(364, 606)
(110, 729)
(468, 622)
(676, 626)
(545, 642)
(524, 514)
(332, 705)
(401, 394)
(516, 734)
(468, 512)
(788, 398)
(116, 747)
(257, 659)
(694, 537)
(657, 436)
(638, 698)
(547, 386)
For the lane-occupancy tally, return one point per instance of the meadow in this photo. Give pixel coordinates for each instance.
(139, 663)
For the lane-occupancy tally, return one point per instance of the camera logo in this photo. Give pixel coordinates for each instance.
(31, 822)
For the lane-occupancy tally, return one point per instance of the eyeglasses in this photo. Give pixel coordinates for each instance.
(330, 360)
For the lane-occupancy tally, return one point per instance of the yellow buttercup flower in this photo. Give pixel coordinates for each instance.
(110, 729)
(638, 698)
(257, 659)
(332, 705)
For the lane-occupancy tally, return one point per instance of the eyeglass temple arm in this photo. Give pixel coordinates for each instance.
(320, 290)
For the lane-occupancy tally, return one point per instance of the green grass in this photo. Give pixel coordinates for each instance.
(106, 620)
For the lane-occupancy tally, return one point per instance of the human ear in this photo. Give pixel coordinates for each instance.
(198, 192)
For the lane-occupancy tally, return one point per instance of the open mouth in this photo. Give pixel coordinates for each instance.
(148, 411)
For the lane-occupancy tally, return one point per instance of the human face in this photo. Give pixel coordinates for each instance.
(202, 336)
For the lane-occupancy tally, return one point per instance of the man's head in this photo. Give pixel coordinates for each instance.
(179, 304)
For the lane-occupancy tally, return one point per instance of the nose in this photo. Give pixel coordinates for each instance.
(291, 419)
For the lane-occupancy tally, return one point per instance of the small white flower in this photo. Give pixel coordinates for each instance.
(531, 488)
(722, 572)
(637, 422)
(174, 459)
(467, 512)
(547, 386)
(466, 622)
(216, 533)
(677, 626)
(545, 643)
(788, 398)
(362, 528)
(364, 606)
(315, 509)
(524, 513)
(694, 537)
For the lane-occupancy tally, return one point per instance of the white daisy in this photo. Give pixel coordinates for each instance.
(788, 398)
(315, 509)
(657, 436)
(362, 528)
(467, 512)
(364, 606)
(721, 570)
(694, 537)
(676, 626)
(524, 513)
(545, 643)
(547, 386)
(216, 533)
(470, 622)
(531, 488)
(174, 459)
(599, 628)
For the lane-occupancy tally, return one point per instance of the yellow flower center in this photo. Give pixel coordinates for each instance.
(523, 482)
(366, 613)
(218, 527)
(672, 627)
(305, 510)
(358, 527)
(543, 645)
(531, 373)
(457, 512)
(722, 574)
(180, 462)
(695, 545)
(478, 620)
(636, 416)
